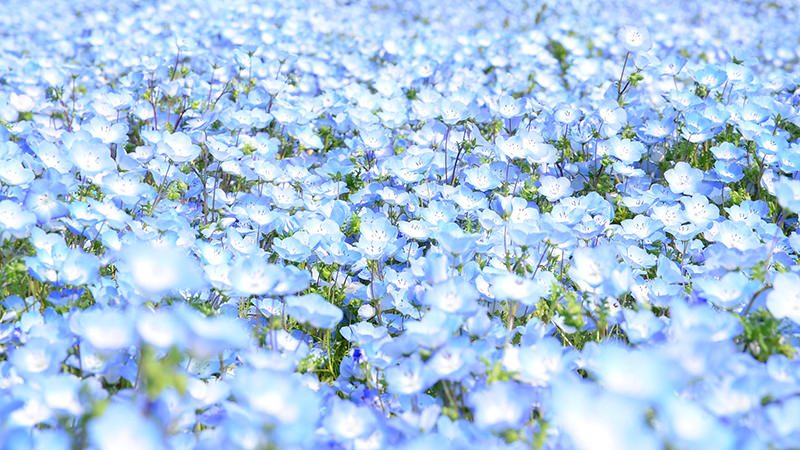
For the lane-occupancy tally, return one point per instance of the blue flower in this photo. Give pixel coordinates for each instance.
(635, 38)
(784, 298)
(346, 421)
(454, 295)
(91, 157)
(15, 220)
(683, 178)
(38, 357)
(500, 405)
(122, 426)
(408, 376)
(313, 309)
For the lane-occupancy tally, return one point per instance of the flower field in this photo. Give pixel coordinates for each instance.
(399, 224)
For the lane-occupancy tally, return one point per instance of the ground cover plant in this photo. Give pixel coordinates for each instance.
(415, 224)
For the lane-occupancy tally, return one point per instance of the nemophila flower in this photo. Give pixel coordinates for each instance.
(641, 227)
(702, 322)
(788, 193)
(122, 426)
(378, 239)
(684, 232)
(538, 364)
(284, 197)
(469, 200)
(693, 426)
(710, 76)
(13, 173)
(789, 159)
(697, 128)
(508, 107)
(510, 286)
(178, 147)
(748, 211)
(575, 407)
(374, 138)
(415, 229)
(500, 405)
(409, 376)
(626, 150)
(438, 212)
(727, 152)
(481, 178)
(452, 112)
(783, 301)
(454, 295)
(401, 97)
(453, 361)
(15, 220)
(672, 64)
(91, 157)
(126, 188)
(658, 129)
(783, 418)
(156, 271)
(347, 421)
(750, 112)
(683, 178)
(729, 291)
(566, 114)
(612, 117)
(541, 153)
(297, 247)
(48, 439)
(698, 210)
(716, 113)
(78, 268)
(53, 157)
(455, 240)
(736, 235)
(252, 275)
(640, 326)
(635, 373)
(104, 329)
(682, 100)
(639, 258)
(211, 336)
(43, 200)
(38, 357)
(597, 270)
(635, 38)
(511, 148)
(434, 329)
(107, 132)
(161, 328)
(771, 144)
(314, 310)
(554, 188)
(728, 172)
(566, 214)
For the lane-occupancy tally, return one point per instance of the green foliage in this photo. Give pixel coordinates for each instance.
(560, 53)
(329, 139)
(764, 335)
(159, 372)
(495, 372)
(90, 191)
(14, 278)
(352, 228)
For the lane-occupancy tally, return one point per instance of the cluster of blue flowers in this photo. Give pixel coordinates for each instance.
(417, 224)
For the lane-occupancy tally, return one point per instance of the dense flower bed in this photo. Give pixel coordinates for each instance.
(414, 224)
